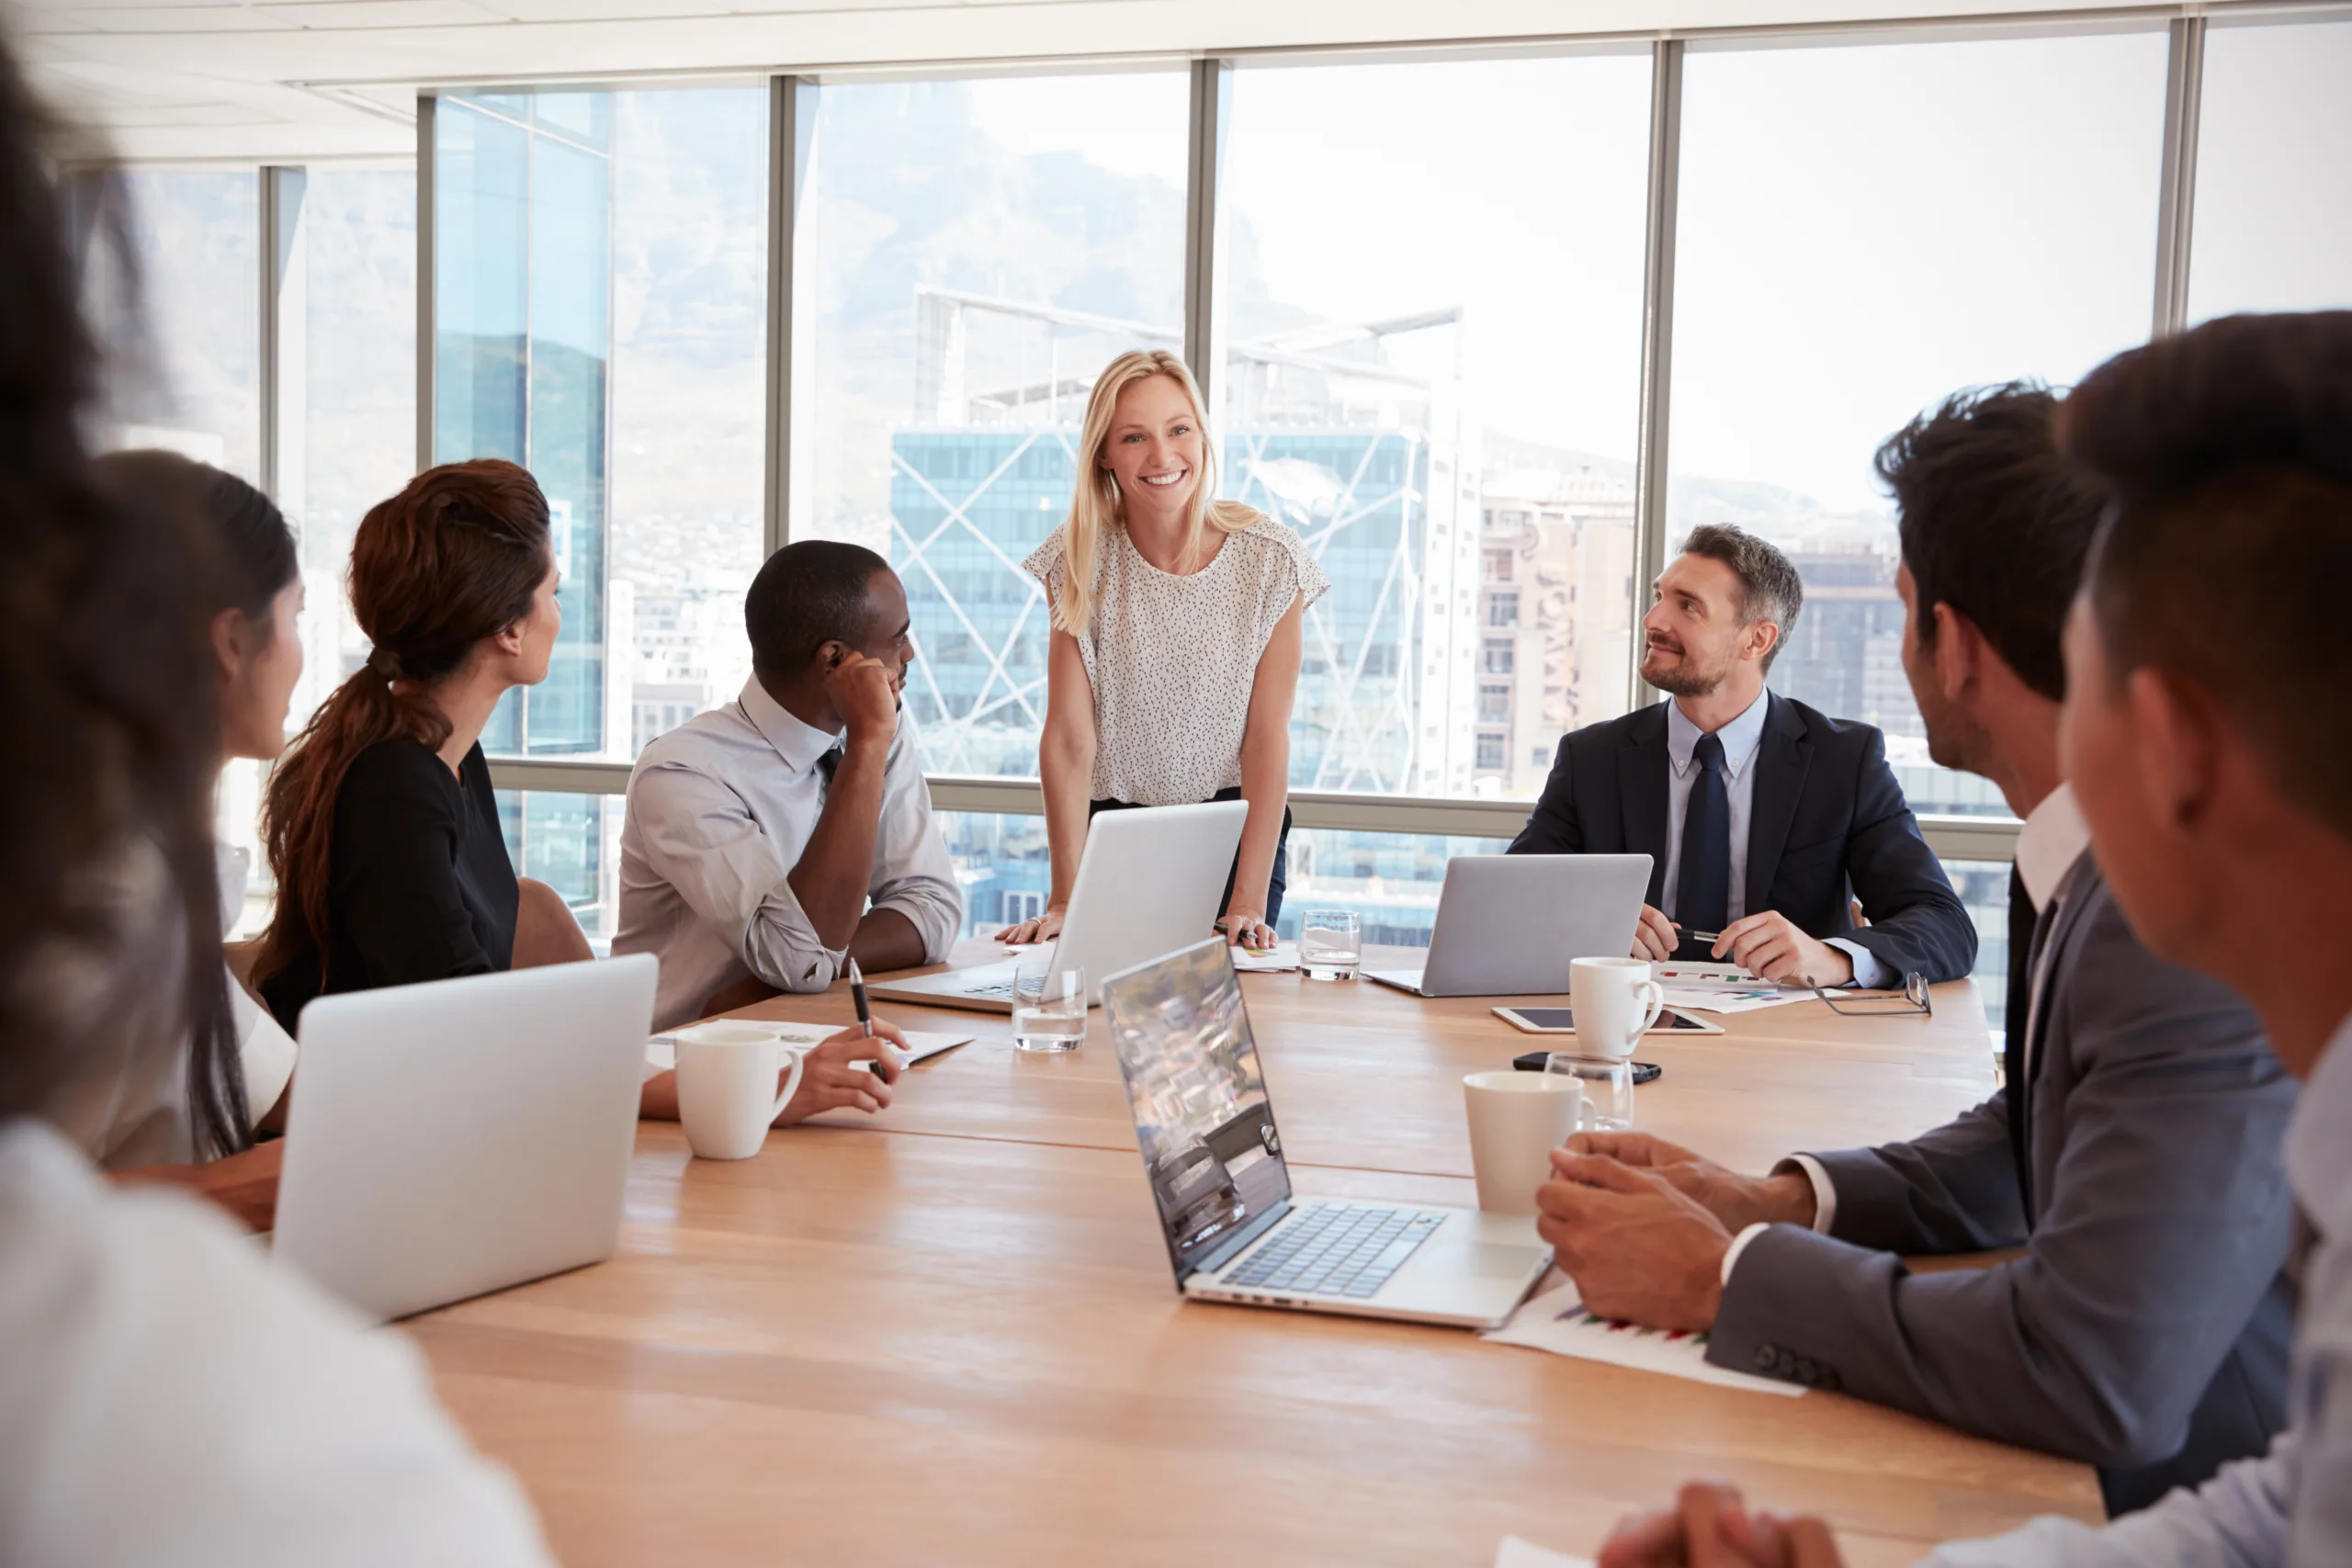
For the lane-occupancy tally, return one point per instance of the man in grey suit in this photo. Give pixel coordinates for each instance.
(2134, 1152)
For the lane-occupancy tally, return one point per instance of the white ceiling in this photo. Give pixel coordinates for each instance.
(295, 80)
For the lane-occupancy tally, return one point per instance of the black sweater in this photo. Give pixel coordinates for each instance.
(419, 887)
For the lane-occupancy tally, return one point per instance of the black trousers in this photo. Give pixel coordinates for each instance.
(1282, 854)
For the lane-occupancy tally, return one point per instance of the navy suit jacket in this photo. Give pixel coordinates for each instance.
(1828, 825)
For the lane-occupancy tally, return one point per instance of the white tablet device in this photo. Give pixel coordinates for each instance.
(1563, 1021)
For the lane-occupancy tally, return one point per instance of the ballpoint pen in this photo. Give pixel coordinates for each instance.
(857, 995)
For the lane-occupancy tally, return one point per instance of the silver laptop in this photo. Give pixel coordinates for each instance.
(461, 1137)
(1233, 1231)
(1148, 883)
(1510, 925)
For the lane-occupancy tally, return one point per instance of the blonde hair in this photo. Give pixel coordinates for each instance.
(1096, 504)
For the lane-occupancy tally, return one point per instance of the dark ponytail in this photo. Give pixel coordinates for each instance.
(456, 557)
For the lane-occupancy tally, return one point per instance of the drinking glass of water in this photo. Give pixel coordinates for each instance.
(1048, 1005)
(1607, 1086)
(1330, 944)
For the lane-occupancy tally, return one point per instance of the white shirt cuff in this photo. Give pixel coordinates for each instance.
(1869, 973)
(1824, 1191)
(1739, 1245)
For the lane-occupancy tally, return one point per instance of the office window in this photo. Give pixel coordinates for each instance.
(1864, 230)
(1500, 659)
(357, 445)
(1502, 610)
(1002, 864)
(979, 250)
(572, 842)
(2273, 223)
(1494, 704)
(197, 390)
(1490, 753)
(1390, 880)
(1434, 289)
(1983, 887)
(600, 294)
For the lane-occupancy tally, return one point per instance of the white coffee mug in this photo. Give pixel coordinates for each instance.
(726, 1085)
(1516, 1121)
(1615, 1002)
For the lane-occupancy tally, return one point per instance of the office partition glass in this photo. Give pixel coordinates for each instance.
(1433, 317)
(978, 251)
(192, 383)
(1864, 230)
(2272, 229)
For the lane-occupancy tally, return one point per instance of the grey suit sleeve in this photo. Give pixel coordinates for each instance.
(2168, 1221)
(1953, 1190)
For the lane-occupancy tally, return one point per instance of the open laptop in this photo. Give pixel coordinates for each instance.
(1510, 925)
(1233, 1231)
(1148, 883)
(461, 1137)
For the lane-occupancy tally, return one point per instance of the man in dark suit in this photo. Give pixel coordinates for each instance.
(1762, 818)
(2133, 1151)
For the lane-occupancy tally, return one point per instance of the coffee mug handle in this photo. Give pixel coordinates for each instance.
(791, 1082)
(1654, 1004)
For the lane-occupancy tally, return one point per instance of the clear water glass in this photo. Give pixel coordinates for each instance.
(1606, 1085)
(1049, 1005)
(1330, 944)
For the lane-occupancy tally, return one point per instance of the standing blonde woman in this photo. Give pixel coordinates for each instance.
(1176, 642)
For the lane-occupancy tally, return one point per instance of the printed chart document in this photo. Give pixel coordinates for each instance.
(1556, 1321)
(1279, 959)
(1722, 987)
(1517, 1553)
(661, 1051)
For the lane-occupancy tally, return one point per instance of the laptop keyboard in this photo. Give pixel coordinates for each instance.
(1338, 1250)
(1002, 988)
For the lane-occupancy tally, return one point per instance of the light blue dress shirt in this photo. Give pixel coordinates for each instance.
(1743, 738)
(2292, 1508)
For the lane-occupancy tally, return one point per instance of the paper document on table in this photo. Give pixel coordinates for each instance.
(1709, 998)
(1279, 959)
(1556, 1321)
(661, 1051)
(1516, 1553)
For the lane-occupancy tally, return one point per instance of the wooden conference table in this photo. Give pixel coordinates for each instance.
(948, 1334)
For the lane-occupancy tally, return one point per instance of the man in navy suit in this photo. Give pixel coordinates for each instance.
(1763, 818)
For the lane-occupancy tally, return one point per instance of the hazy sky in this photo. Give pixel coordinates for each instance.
(1863, 229)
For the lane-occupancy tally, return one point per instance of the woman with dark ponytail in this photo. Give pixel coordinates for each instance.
(380, 822)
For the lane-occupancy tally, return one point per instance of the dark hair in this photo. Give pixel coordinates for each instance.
(107, 711)
(256, 558)
(1995, 522)
(806, 594)
(456, 557)
(2225, 554)
(1769, 589)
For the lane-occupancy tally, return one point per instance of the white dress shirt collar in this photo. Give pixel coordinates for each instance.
(800, 745)
(1740, 736)
(2053, 838)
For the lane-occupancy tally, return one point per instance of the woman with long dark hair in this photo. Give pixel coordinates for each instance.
(256, 648)
(170, 1396)
(380, 822)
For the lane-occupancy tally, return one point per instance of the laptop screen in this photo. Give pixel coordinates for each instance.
(1202, 1118)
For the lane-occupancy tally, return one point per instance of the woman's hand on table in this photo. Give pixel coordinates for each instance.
(1042, 927)
(1246, 926)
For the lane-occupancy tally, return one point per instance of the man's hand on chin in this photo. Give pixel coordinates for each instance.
(1637, 1248)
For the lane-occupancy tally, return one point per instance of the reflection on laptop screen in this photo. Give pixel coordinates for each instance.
(1199, 1098)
